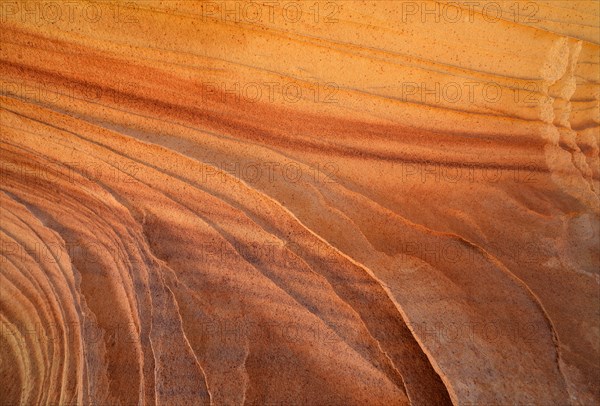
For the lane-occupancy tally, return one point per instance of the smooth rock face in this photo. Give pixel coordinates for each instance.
(299, 203)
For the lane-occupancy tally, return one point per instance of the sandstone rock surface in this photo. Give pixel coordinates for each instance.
(299, 203)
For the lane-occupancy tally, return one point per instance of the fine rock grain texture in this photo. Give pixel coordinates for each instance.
(299, 203)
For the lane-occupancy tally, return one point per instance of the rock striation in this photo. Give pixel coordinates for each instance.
(295, 203)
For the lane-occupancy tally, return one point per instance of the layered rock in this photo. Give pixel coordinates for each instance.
(289, 203)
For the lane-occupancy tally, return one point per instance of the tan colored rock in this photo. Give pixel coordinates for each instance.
(320, 203)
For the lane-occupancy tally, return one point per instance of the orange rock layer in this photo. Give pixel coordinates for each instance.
(328, 203)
